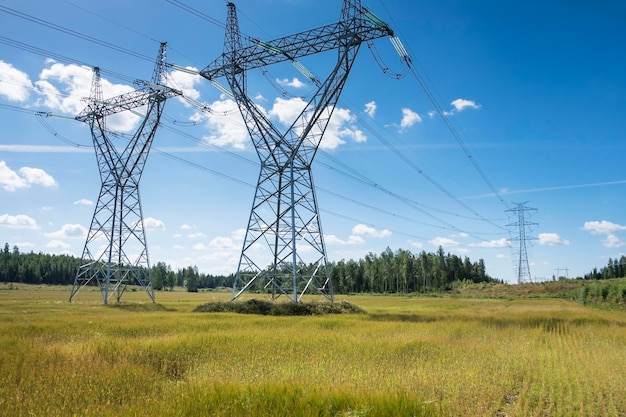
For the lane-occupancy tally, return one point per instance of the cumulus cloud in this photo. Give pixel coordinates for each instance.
(340, 128)
(185, 81)
(409, 118)
(294, 82)
(58, 244)
(20, 221)
(352, 240)
(225, 125)
(83, 202)
(418, 245)
(68, 231)
(552, 239)
(461, 104)
(150, 223)
(612, 241)
(365, 230)
(15, 85)
(444, 242)
(357, 236)
(37, 176)
(11, 180)
(227, 128)
(370, 108)
(63, 87)
(498, 243)
(287, 110)
(603, 227)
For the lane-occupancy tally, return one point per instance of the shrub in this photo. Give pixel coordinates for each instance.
(265, 308)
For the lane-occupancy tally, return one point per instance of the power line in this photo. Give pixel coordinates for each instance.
(74, 33)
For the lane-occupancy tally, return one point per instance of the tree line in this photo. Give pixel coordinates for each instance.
(406, 272)
(389, 272)
(616, 268)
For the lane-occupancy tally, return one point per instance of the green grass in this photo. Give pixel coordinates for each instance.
(406, 356)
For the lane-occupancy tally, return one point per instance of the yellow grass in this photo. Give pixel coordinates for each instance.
(406, 356)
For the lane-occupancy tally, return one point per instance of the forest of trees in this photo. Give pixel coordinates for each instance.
(405, 272)
(389, 272)
(615, 269)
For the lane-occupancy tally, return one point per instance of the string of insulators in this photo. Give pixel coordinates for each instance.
(269, 47)
(308, 74)
(377, 21)
(404, 55)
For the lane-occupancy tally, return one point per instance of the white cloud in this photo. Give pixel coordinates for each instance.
(20, 221)
(443, 242)
(603, 227)
(499, 243)
(199, 246)
(185, 227)
(461, 104)
(552, 239)
(68, 231)
(286, 111)
(225, 125)
(11, 180)
(185, 82)
(37, 176)
(294, 82)
(418, 245)
(370, 108)
(227, 128)
(58, 244)
(352, 240)
(223, 243)
(84, 202)
(150, 223)
(197, 235)
(339, 128)
(409, 118)
(612, 241)
(365, 230)
(15, 85)
(63, 88)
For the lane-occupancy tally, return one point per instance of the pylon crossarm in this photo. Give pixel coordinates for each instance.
(125, 102)
(289, 48)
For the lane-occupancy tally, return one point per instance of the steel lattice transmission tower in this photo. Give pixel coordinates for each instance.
(284, 249)
(521, 226)
(116, 251)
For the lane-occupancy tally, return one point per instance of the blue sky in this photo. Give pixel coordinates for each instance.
(534, 91)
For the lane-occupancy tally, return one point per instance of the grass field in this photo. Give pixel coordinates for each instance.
(407, 356)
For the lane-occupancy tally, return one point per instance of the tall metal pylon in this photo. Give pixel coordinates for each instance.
(116, 250)
(521, 213)
(283, 250)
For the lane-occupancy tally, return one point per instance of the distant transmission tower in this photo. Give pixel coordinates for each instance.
(521, 226)
(116, 252)
(283, 250)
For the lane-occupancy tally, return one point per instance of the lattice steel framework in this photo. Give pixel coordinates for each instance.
(521, 226)
(283, 250)
(116, 250)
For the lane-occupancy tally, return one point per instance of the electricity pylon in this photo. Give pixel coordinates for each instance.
(116, 251)
(522, 267)
(283, 249)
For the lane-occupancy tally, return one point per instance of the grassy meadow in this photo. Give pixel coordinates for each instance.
(406, 356)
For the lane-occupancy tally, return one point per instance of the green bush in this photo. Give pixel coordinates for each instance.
(265, 308)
